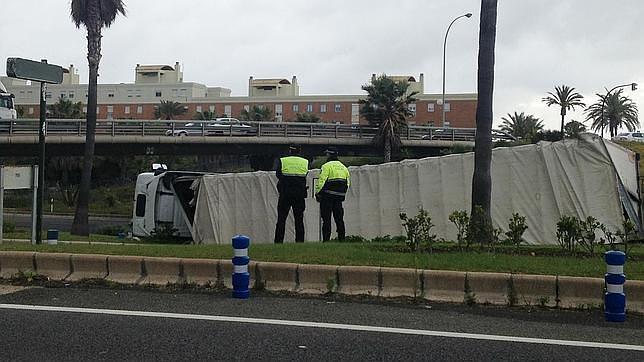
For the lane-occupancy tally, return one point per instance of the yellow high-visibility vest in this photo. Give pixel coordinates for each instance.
(294, 166)
(332, 170)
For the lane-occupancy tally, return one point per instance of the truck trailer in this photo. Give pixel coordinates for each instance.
(589, 176)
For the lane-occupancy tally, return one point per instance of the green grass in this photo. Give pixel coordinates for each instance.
(373, 254)
(62, 236)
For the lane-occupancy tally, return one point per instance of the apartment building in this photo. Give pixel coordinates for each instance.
(156, 83)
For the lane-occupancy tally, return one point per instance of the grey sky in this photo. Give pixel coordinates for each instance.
(333, 46)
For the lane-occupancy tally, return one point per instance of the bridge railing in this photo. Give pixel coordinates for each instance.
(173, 128)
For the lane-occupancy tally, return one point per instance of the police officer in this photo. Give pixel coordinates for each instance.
(330, 192)
(291, 186)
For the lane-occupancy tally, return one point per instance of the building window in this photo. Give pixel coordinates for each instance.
(62, 95)
(447, 107)
(211, 108)
(228, 110)
(430, 107)
(71, 95)
(309, 108)
(127, 110)
(110, 109)
(322, 108)
(199, 109)
(31, 110)
(446, 124)
(84, 109)
(246, 107)
(139, 109)
(98, 109)
(412, 108)
(338, 108)
(158, 94)
(47, 95)
(296, 108)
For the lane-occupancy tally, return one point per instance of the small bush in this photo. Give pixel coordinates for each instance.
(627, 234)
(164, 234)
(353, 239)
(568, 232)
(516, 227)
(587, 235)
(418, 230)
(479, 229)
(461, 220)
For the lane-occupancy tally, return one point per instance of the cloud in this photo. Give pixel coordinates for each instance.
(334, 46)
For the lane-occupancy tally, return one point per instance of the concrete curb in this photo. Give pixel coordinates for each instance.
(16, 262)
(88, 266)
(54, 266)
(432, 285)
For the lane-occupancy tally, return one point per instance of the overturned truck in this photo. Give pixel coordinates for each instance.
(582, 177)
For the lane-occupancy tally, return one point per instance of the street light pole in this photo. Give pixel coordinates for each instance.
(468, 15)
(633, 87)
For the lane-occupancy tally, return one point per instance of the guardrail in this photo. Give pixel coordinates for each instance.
(172, 128)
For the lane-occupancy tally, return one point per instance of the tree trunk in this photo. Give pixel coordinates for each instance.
(482, 179)
(387, 150)
(80, 226)
(563, 115)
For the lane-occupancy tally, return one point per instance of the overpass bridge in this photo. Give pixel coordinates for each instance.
(160, 137)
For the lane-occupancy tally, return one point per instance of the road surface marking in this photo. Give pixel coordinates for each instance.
(349, 327)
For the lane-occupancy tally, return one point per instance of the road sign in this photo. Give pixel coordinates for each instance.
(34, 71)
(17, 177)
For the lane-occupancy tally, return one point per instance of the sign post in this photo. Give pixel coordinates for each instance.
(18, 178)
(43, 73)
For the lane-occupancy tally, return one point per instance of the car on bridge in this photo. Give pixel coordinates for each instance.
(217, 127)
(629, 137)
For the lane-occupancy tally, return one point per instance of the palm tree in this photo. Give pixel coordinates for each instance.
(574, 129)
(566, 98)
(387, 107)
(65, 109)
(93, 15)
(521, 125)
(205, 116)
(169, 110)
(613, 111)
(481, 220)
(257, 113)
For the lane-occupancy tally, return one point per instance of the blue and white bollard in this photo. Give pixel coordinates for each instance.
(615, 299)
(241, 277)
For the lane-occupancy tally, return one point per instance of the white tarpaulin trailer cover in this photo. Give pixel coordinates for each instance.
(585, 177)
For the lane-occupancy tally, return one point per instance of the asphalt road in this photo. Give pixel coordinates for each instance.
(64, 222)
(144, 325)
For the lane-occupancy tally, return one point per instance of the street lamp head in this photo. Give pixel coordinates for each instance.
(633, 86)
(469, 15)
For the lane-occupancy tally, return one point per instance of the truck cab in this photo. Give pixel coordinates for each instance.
(7, 107)
(162, 203)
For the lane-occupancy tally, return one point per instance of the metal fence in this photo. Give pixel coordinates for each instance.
(184, 128)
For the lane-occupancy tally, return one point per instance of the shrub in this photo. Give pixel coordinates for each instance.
(479, 228)
(568, 232)
(587, 233)
(461, 220)
(418, 229)
(516, 228)
(353, 239)
(627, 234)
(164, 234)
